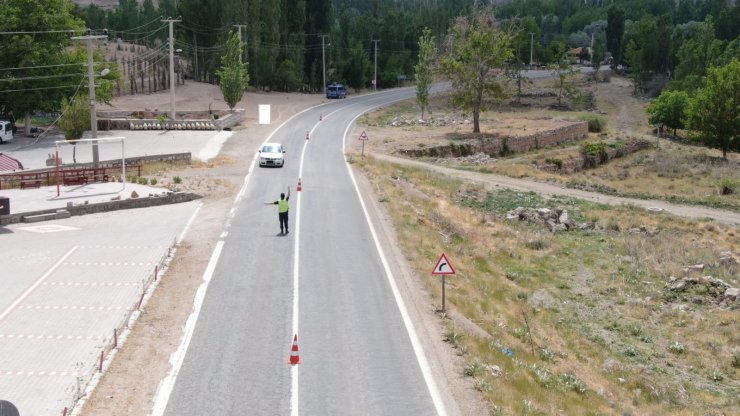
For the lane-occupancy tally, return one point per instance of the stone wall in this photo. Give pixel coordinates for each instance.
(124, 120)
(497, 145)
(577, 164)
(141, 202)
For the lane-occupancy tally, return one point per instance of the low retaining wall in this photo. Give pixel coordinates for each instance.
(124, 120)
(141, 202)
(577, 164)
(494, 146)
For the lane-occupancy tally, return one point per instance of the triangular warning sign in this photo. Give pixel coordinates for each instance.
(363, 136)
(443, 266)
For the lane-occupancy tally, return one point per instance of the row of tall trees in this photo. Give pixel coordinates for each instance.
(288, 43)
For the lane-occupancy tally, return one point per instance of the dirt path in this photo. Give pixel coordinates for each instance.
(626, 112)
(492, 181)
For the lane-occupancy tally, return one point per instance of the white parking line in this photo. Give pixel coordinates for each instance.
(36, 284)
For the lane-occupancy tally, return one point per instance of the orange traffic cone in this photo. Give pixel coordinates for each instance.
(294, 357)
(321, 116)
(306, 135)
(299, 185)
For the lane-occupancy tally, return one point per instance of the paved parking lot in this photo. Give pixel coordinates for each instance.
(67, 284)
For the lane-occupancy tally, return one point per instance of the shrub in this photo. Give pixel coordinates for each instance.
(728, 186)
(177, 180)
(596, 123)
(153, 181)
(474, 369)
(557, 162)
(677, 348)
(454, 337)
(571, 382)
(537, 244)
(143, 181)
(735, 362)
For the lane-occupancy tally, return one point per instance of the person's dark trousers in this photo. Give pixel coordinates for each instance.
(283, 222)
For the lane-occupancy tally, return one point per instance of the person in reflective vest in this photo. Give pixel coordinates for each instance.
(282, 211)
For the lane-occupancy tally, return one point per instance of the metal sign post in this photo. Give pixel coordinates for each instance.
(363, 138)
(443, 268)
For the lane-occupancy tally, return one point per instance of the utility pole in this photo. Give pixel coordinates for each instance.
(91, 87)
(323, 61)
(243, 39)
(172, 66)
(375, 76)
(531, 44)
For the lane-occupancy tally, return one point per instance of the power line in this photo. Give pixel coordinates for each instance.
(45, 66)
(41, 77)
(34, 32)
(42, 88)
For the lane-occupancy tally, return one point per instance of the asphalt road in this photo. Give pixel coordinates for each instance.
(326, 282)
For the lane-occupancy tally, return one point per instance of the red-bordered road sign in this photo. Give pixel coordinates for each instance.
(363, 136)
(443, 266)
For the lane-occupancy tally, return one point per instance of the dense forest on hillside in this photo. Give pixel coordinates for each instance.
(289, 43)
(284, 38)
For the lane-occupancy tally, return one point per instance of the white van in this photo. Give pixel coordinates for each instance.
(6, 131)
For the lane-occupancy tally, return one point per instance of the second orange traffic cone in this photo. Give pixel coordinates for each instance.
(294, 357)
(299, 185)
(307, 135)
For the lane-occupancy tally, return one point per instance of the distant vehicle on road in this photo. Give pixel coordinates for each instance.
(271, 154)
(335, 90)
(6, 131)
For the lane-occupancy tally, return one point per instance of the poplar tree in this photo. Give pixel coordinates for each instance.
(233, 76)
(424, 69)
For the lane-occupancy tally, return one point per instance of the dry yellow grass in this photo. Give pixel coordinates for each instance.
(586, 314)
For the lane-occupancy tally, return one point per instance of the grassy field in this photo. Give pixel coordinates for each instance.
(580, 322)
(614, 317)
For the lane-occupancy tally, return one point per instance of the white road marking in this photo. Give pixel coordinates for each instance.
(36, 284)
(162, 395)
(189, 223)
(47, 228)
(415, 343)
(164, 390)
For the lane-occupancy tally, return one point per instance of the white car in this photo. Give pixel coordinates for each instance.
(271, 154)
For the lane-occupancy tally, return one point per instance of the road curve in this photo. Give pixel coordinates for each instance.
(326, 281)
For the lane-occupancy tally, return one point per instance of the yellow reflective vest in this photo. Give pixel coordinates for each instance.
(282, 205)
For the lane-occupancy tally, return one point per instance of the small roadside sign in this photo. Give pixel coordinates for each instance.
(363, 137)
(443, 266)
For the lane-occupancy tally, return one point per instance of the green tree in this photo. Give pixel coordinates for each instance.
(287, 77)
(669, 110)
(75, 120)
(477, 49)
(233, 75)
(562, 72)
(615, 33)
(34, 55)
(424, 69)
(714, 111)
